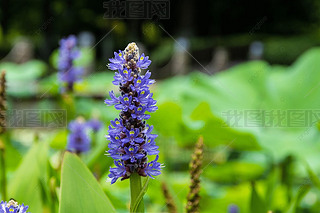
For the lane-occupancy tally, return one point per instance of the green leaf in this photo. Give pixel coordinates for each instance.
(302, 191)
(219, 133)
(271, 185)
(28, 71)
(313, 177)
(257, 204)
(234, 171)
(96, 84)
(26, 185)
(249, 88)
(22, 78)
(59, 140)
(80, 191)
(167, 119)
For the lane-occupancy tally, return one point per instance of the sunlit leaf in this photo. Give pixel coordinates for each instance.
(26, 185)
(80, 191)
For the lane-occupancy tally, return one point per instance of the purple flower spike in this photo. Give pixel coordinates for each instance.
(233, 208)
(131, 141)
(94, 124)
(13, 207)
(67, 54)
(78, 140)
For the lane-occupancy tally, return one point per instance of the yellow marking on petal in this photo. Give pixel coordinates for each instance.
(131, 149)
(126, 99)
(117, 138)
(141, 58)
(140, 108)
(125, 72)
(139, 81)
(131, 132)
(142, 93)
(117, 122)
(120, 54)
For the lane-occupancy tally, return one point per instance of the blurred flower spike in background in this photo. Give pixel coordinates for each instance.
(78, 139)
(68, 73)
(95, 124)
(233, 209)
(130, 137)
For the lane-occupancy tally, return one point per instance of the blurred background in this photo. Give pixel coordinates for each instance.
(243, 74)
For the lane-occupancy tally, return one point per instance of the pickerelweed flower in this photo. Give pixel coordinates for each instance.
(68, 73)
(233, 208)
(12, 207)
(78, 140)
(95, 124)
(130, 137)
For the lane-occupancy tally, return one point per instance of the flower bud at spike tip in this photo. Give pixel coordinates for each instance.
(12, 206)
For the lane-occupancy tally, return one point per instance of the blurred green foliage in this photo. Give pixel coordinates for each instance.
(256, 167)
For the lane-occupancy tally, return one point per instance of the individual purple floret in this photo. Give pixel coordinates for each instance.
(12, 207)
(78, 140)
(95, 124)
(233, 208)
(130, 137)
(68, 73)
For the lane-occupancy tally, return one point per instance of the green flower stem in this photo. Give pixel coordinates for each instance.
(67, 101)
(3, 171)
(135, 189)
(94, 139)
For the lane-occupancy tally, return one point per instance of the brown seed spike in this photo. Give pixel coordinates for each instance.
(169, 200)
(2, 102)
(193, 198)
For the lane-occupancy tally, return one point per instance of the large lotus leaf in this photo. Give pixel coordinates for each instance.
(87, 107)
(234, 172)
(48, 86)
(249, 88)
(21, 78)
(30, 70)
(216, 132)
(167, 119)
(96, 84)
